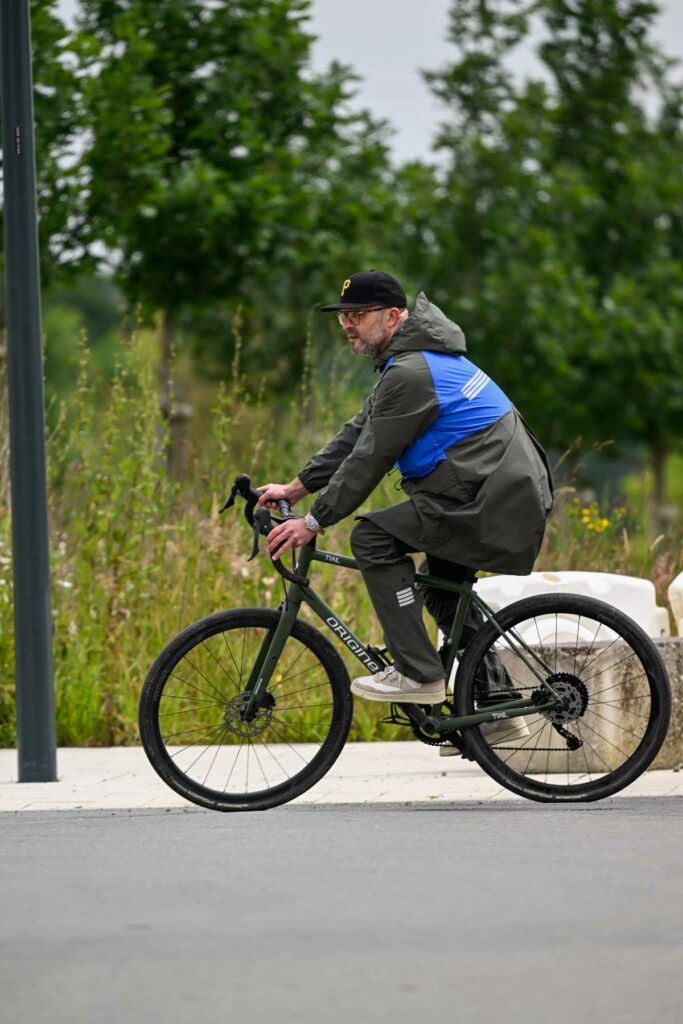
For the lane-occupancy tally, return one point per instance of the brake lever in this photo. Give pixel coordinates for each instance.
(262, 525)
(255, 547)
(229, 503)
(261, 522)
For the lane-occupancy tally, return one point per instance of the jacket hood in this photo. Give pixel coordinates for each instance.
(426, 328)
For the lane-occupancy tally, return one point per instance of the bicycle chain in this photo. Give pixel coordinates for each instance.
(564, 733)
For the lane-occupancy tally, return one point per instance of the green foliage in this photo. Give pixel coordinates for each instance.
(555, 233)
(89, 309)
(233, 189)
(135, 557)
(223, 170)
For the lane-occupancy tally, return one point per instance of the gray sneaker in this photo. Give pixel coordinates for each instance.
(513, 729)
(392, 685)
(510, 730)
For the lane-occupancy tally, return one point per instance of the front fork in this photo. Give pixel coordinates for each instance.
(274, 642)
(270, 652)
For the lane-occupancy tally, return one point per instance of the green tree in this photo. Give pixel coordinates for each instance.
(604, 64)
(557, 229)
(222, 170)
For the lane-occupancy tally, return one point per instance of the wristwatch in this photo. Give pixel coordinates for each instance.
(312, 524)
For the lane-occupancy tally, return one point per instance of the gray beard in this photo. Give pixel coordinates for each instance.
(372, 348)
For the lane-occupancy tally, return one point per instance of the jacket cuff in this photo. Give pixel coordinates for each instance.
(322, 513)
(306, 476)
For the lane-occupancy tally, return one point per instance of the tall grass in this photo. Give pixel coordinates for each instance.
(137, 556)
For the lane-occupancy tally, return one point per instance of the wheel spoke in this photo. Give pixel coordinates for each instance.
(202, 730)
(288, 677)
(186, 682)
(239, 751)
(215, 730)
(605, 739)
(293, 749)
(224, 670)
(615, 725)
(213, 759)
(266, 746)
(305, 689)
(592, 749)
(258, 760)
(288, 725)
(299, 707)
(620, 682)
(199, 672)
(187, 711)
(610, 668)
(287, 674)
(580, 672)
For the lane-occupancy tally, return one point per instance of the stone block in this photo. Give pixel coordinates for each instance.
(611, 731)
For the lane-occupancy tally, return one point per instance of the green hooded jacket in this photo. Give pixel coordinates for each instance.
(485, 505)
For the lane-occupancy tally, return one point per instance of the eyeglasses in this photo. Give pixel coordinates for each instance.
(354, 316)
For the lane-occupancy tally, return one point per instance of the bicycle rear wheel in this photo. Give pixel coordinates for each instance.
(616, 699)
(203, 748)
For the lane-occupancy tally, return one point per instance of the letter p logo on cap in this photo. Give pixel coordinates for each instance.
(347, 284)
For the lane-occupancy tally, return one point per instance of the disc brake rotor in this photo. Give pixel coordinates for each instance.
(237, 724)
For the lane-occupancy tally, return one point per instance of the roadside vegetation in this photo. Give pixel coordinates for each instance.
(136, 556)
(202, 189)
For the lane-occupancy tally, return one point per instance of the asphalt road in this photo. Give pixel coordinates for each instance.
(498, 912)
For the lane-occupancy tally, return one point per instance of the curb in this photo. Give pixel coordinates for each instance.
(120, 778)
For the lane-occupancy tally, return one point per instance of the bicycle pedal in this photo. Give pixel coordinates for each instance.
(395, 717)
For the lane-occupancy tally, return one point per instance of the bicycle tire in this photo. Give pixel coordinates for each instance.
(201, 683)
(634, 711)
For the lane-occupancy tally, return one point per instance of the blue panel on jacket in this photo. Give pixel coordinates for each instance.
(468, 401)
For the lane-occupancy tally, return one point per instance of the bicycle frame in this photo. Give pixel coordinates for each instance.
(297, 594)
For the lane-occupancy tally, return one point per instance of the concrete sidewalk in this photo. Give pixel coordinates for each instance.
(402, 772)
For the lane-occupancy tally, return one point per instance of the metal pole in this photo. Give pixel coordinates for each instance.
(36, 730)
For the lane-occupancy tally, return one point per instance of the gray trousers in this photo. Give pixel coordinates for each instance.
(389, 575)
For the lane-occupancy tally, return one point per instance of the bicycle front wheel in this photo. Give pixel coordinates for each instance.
(615, 699)
(191, 717)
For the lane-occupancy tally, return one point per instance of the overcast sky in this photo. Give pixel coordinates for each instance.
(388, 41)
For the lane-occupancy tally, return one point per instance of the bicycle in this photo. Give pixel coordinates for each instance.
(262, 688)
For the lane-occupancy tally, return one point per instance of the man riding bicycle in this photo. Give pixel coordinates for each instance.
(478, 482)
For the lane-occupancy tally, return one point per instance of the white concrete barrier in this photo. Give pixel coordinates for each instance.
(675, 595)
(631, 595)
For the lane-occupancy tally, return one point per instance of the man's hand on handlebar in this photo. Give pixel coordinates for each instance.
(291, 533)
(291, 492)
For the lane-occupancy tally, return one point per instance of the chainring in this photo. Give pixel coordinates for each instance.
(439, 739)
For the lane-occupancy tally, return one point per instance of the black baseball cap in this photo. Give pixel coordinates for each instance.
(369, 288)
